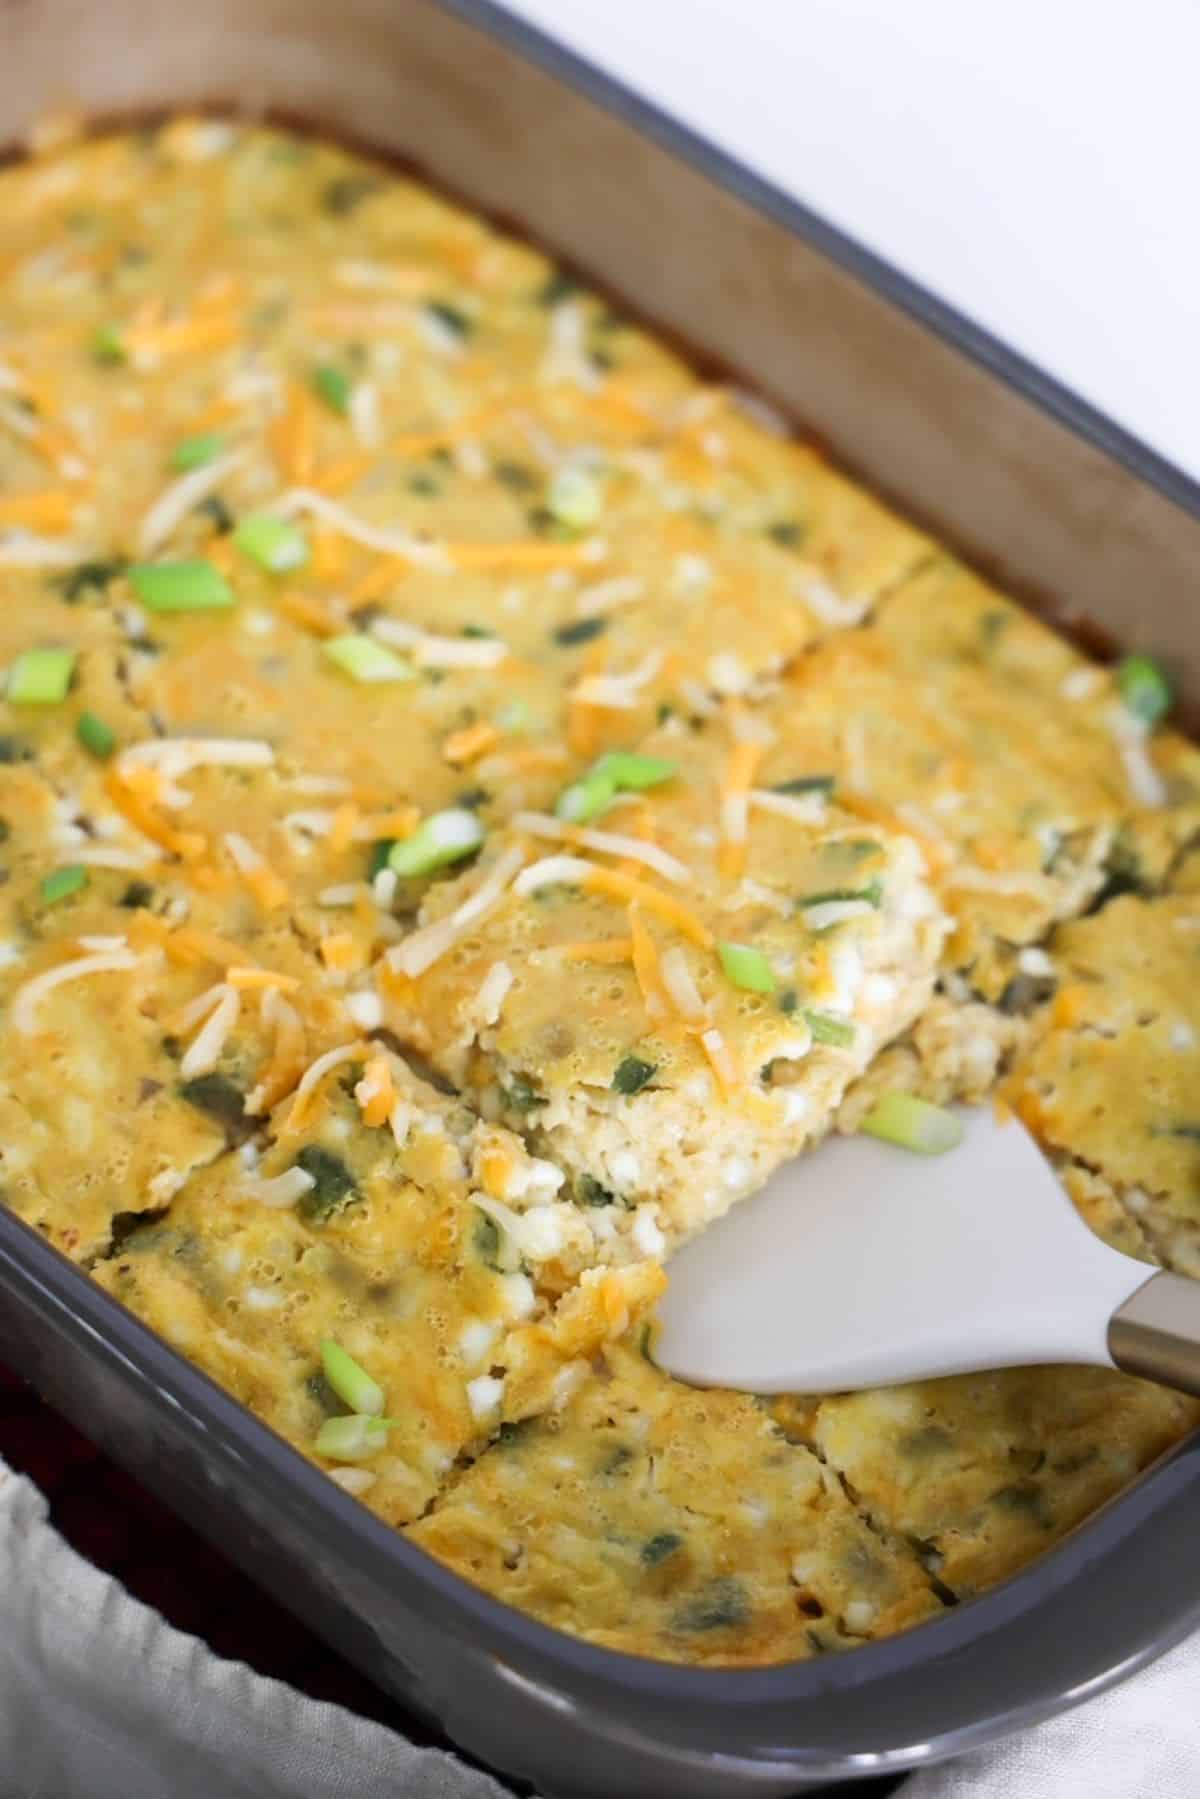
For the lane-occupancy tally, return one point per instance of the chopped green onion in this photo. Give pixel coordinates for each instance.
(351, 1439)
(806, 784)
(197, 452)
(363, 659)
(632, 773)
(332, 386)
(95, 735)
(746, 967)
(632, 1075)
(557, 287)
(443, 838)
(377, 861)
(522, 1095)
(180, 586)
(349, 1381)
(872, 893)
(1145, 690)
(580, 630)
(62, 883)
(837, 1032)
(85, 578)
(620, 771)
(108, 346)
(274, 543)
(334, 1187)
(913, 1123)
(452, 317)
(41, 677)
(575, 499)
(586, 799)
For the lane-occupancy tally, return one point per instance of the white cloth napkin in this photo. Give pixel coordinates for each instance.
(99, 1697)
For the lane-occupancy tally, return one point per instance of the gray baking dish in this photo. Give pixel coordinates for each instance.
(964, 436)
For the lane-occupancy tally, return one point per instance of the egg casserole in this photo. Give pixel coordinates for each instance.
(475, 797)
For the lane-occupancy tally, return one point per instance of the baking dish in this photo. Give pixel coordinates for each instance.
(990, 454)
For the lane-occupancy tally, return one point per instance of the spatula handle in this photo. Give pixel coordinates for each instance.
(1156, 1332)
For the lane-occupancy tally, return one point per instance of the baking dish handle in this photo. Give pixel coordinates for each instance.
(1156, 1332)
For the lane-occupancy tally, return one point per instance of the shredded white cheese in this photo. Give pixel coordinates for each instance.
(1081, 683)
(840, 614)
(176, 756)
(315, 1073)
(429, 651)
(199, 1008)
(832, 912)
(282, 1190)
(726, 673)
(25, 549)
(183, 496)
(1145, 783)
(718, 1052)
(364, 414)
(566, 357)
(1020, 883)
(803, 808)
(617, 692)
(697, 698)
(603, 597)
(423, 948)
(493, 991)
(388, 542)
(204, 1052)
(29, 996)
(355, 1481)
(605, 843)
(345, 895)
(551, 870)
(108, 856)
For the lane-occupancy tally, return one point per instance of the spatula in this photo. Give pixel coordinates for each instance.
(862, 1264)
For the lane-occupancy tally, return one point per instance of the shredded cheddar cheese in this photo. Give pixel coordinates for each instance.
(375, 1093)
(744, 758)
(466, 746)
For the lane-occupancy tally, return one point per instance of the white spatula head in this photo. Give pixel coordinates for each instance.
(862, 1264)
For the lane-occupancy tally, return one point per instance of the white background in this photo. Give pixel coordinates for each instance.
(1036, 162)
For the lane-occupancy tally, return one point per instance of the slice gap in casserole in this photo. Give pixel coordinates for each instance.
(663, 1521)
(982, 1472)
(670, 1001)
(1110, 1082)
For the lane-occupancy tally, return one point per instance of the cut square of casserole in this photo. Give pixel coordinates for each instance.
(1112, 1081)
(440, 718)
(1013, 760)
(131, 1037)
(984, 1471)
(667, 1522)
(366, 1232)
(673, 1001)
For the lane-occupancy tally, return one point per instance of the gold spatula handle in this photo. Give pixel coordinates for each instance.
(1156, 1332)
